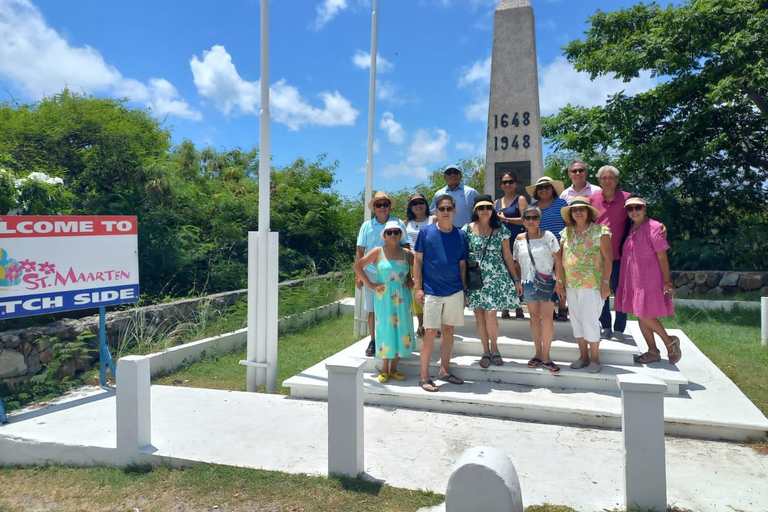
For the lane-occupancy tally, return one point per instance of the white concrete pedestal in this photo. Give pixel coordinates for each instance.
(642, 426)
(345, 416)
(134, 417)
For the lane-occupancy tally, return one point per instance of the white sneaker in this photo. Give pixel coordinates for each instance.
(617, 336)
(605, 334)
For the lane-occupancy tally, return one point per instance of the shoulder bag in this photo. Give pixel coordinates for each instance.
(474, 275)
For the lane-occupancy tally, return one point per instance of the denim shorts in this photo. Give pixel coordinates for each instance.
(528, 292)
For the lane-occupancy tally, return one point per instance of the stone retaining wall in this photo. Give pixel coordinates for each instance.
(715, 283)
(23, 353)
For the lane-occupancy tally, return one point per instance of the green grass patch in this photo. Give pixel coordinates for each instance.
(296, 352)
(731, 340)
(738, 296)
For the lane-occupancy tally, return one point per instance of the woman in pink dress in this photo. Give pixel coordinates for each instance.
(645, 286)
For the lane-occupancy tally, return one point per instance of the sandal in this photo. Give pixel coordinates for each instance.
(648, 357)
(505, 315)
(535, 362)
(552, 367)
(428, 382)
(496, 358)
(519, 313)
(485, 361)
(673, 350)
(383, 378)
(396, 376)
(562, 315)
(450, 378)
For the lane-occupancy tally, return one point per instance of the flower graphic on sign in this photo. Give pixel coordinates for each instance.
(47, 268)
(27, 266)
(10, 270)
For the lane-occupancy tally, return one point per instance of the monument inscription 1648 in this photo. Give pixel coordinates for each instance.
(514, 126)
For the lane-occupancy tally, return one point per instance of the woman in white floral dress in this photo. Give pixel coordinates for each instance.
(489, 246)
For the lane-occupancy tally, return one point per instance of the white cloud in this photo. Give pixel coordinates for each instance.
(560, 84)
(479, 72)
(362, 60)
(427, 147)
(328, 10)
(39, 61)
(395, 132)
(217, 80)
(477, 111)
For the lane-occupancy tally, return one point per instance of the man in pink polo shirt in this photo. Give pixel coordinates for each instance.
(610, 202)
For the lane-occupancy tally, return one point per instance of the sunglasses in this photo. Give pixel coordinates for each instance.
(392, 232)
(544, 187)
(484, 207)
(381, 205)
(445, 208)
(578, 171)
(508, 182)
(529, 217)
(578, 209)
(635, 208)
(418, 202)
(452, 172)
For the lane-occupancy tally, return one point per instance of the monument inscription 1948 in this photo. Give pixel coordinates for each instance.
(514, 127)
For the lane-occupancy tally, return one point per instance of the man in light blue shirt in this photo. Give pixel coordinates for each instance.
(463, 195)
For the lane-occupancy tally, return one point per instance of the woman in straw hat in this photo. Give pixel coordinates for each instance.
(394, 317)
(546, 195)
(417, 216)
(645, 285)
(489, 247)
(586, 258)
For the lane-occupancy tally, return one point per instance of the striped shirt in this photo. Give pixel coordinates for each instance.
(551, 220)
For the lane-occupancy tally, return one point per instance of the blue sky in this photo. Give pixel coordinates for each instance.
(196, 64)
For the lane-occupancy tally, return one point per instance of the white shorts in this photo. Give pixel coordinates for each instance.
(443, 310)
(584, 308)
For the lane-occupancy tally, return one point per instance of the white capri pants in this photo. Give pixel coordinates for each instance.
(584, 308)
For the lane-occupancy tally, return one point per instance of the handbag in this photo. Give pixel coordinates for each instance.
(474, 275)
(543, 284)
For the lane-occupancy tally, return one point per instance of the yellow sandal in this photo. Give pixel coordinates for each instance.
(383, 378)
(397, 376)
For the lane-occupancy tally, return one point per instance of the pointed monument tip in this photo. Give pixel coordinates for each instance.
(512, 4)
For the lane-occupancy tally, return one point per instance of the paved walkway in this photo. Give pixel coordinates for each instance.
(578, 467)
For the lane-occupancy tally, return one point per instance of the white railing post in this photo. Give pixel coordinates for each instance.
(345, 416)
(642, 427)
(764, 320)
(133, 408)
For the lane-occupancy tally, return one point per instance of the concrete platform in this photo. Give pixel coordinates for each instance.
(578, 467)
(701, 401)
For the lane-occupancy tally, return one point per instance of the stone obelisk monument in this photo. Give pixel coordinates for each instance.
(514, 126)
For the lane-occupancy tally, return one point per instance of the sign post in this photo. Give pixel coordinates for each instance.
(52, 264)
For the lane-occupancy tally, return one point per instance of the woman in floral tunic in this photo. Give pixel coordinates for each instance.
(587, 260)
(392, 303)
(489, 246)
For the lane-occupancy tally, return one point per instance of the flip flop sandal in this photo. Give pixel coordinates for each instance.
(496, 358)
(485, 361)
(648, 357)
(673, 350)
(552, 367)
(428, 382)
(535, 362)
(450, 378)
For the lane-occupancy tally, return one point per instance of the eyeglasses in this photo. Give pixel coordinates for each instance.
(578, 170)
(418, 202)
(635, 208)
(544, 187)
(578, 209)
(392, 232)
(529, 217)
(445, 208)
(484, 207)
(381, 205)
(508, 182)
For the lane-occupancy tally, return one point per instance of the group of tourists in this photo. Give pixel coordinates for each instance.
(571, 247)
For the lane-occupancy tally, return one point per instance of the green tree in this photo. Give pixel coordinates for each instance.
(697, 143)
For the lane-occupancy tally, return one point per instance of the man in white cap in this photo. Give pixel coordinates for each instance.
(369, 237)
(463, 195)
(577, 172)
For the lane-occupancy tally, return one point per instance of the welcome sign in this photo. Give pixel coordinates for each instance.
(62, 263)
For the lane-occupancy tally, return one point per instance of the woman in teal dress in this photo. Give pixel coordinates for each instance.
(392, 304)
(489, 246)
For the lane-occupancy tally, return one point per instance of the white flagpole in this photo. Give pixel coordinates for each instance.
(361, 318)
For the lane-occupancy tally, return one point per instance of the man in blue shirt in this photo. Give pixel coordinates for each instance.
(463, 196)
(368, 238)
(439, 269)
